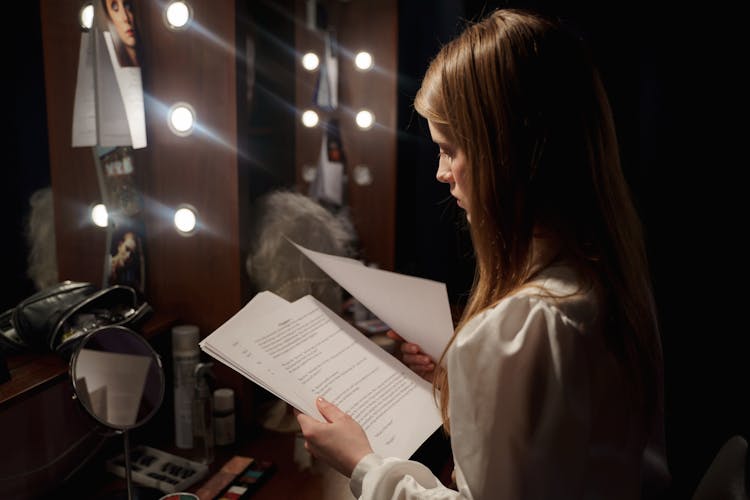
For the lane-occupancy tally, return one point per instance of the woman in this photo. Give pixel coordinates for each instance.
(122, 28)
(551, 386)
(125, 264)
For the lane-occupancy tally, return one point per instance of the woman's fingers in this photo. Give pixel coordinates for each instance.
(394, 335)
(329, 411)
(413, 357)
(417, 360)
(340, 441)
(410, 348)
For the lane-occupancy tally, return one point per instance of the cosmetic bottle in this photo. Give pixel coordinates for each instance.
(185, 356)
(203, 428)
(224, 416)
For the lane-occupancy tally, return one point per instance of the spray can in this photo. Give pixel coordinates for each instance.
(185, 356)
(203, 414)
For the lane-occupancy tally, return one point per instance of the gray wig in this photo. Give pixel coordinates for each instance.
(274, 264)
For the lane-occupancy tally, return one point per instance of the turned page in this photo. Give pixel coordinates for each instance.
(303, 350)
(416, 308)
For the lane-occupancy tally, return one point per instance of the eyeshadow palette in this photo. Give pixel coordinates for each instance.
(238, 479)
(159, 469)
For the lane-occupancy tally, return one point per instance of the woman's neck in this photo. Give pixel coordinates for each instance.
(545, 249)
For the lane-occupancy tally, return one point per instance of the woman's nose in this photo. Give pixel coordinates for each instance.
(444, 175)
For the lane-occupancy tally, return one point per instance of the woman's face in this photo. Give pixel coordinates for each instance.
(121, 14)
(452, 167)
(126, 248)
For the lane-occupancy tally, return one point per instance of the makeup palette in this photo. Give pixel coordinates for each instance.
(238, 479)
(158, 469)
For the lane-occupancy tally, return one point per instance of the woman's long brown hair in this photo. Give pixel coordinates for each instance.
(522, 99)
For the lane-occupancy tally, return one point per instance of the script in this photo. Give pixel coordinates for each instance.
(302, 350)
(416, 308)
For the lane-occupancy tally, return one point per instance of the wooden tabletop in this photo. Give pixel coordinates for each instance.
(31, 372)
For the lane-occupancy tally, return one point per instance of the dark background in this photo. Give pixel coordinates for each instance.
(671, 76)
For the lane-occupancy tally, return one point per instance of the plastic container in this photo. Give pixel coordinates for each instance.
(224, 419)
(203, 415)
(158, 469)
(185, 357)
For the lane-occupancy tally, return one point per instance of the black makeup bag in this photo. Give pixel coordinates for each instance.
(54, 319)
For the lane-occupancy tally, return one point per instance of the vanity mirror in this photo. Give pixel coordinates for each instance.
(119, 380)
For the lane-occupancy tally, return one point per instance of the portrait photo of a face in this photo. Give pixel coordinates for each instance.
(120, 15)
(126, 263)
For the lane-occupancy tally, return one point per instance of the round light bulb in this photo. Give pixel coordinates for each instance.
(185, 220)
(99, 215)
(363, 60)
(309, 172)
(87, 16)
(310, 118)
(177, 15)
(181, 119)
(310, 61)
(365, 119)
(362, 175)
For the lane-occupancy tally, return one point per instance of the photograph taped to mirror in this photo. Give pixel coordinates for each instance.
(159, 469)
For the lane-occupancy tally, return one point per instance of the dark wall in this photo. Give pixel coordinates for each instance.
(25, 165)
(669, 76)
(691, 152)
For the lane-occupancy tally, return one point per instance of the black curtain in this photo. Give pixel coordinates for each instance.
(672, 76)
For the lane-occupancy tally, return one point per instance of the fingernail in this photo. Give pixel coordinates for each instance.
(322, 399)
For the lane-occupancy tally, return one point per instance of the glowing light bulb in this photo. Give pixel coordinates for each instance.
(365, 119)
(309, 172)
(310, 118)
(362, 175)
(363, 60)
(177, 15)
(99, 215)
(310, 61)
(87, 16)
(185, 220)
(181, 119)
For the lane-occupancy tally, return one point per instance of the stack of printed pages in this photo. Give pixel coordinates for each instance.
(301, 350)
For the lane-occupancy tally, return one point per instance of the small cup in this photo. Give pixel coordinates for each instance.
(180, 495)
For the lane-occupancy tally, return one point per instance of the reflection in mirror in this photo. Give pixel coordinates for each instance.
(118, 377)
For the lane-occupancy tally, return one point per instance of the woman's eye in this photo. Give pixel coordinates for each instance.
(115, 6)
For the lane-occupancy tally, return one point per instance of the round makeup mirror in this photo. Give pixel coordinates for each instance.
(119, 379)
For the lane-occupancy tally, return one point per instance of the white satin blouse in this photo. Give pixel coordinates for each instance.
(537, 408)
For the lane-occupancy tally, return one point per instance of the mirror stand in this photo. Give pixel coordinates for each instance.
(128, 467)
(118, 378)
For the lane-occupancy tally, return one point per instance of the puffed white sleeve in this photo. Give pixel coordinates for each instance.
(519, 402)
(376, 478)
(518, 412)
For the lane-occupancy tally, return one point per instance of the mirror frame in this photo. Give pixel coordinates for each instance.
(148, 347)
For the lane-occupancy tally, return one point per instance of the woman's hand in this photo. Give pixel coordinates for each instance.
(340, 441)
(414, 358)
